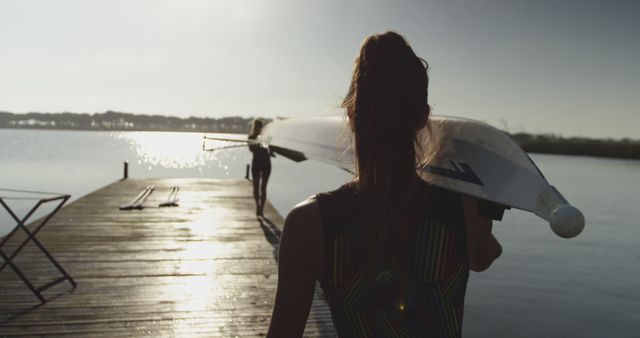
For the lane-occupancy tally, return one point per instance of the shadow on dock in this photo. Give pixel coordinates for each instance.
(204, 268)
(272, 234)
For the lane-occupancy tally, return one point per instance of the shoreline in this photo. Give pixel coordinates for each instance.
(626, 149)
(164, 130)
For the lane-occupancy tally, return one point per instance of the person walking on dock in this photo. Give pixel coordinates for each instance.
(260, 167)
(391, 252)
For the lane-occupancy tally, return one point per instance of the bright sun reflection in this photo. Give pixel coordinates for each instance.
(200, 282)
(200, 289)
(196, 292)
(169, 150)
(176, 150)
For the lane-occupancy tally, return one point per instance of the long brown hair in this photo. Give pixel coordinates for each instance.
(256, 128)
(387, 104)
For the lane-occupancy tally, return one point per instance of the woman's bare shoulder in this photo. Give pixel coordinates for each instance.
(302, 233)
(304, 217)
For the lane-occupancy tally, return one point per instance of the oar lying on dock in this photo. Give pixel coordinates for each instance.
(172, 200)
(139, 200)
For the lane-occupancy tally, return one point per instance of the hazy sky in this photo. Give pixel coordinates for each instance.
(569, 67)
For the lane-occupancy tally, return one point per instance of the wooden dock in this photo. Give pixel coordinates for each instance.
(204, 268)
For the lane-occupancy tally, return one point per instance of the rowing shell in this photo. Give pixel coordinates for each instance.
(462, 155)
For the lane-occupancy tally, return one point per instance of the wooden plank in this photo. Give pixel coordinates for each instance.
(204, 268)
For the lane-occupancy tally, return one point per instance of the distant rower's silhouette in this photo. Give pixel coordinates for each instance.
(260, 168)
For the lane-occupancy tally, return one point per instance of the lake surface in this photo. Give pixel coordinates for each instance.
(542, 286)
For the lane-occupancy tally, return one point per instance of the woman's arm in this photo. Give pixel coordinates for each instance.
(482, 247)
(299, 265)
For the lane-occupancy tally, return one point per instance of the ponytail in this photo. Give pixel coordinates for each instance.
(386, 106)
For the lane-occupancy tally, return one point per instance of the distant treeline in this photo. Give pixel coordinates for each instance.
(552, 144)
(112, 120)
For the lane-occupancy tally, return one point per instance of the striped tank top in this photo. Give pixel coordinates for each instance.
(419, 289)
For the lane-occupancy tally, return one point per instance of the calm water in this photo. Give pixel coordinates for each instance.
(542, 286)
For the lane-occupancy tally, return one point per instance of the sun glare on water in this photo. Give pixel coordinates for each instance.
(177, 150)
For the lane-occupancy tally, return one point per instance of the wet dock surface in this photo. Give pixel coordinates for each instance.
(204, 268)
